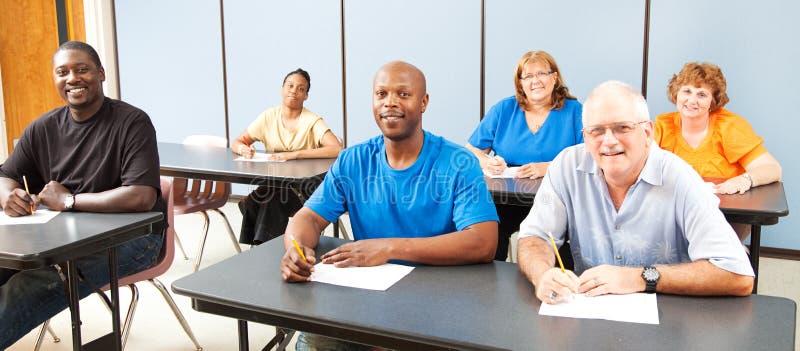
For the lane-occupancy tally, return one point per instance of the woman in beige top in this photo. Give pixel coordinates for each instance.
(288, 132)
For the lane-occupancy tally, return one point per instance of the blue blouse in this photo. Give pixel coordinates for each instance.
(505, 131)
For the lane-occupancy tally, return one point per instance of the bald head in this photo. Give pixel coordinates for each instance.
(615, 92)
(403, 68)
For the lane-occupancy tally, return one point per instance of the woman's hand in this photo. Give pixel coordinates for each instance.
(495, 164)
(284, 156)
(738, 184)
(532, 170)
(247, 151)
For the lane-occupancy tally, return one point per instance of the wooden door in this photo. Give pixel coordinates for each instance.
(28, 39)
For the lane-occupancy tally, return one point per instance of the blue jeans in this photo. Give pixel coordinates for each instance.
(314, 342)
(30, 297)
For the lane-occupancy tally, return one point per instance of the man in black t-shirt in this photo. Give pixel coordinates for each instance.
(95, 155)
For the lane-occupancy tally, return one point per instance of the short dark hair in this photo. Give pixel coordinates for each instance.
(81, 46)
(301, 72)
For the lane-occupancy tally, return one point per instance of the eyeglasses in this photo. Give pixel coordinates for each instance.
(619, 129)
(537, 75)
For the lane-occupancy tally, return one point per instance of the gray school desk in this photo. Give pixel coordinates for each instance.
(213, 163)
(485, 306)
(68, 237)
(762, 205)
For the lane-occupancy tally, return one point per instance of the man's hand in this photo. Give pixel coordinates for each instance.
(18, 203)
(53, 195)
(555, 286)
(363, 253)
(608, 279)
(294, 268)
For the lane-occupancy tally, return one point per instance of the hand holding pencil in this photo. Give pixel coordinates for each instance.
(557, 284)
(298, 261)
(17, 201)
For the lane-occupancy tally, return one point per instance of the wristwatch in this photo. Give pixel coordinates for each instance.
(69, 202)
(651, 276)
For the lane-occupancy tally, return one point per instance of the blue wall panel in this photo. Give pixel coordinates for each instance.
(442, 38)
(170, 64)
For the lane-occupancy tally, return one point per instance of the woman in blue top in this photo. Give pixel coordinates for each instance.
(527, 131)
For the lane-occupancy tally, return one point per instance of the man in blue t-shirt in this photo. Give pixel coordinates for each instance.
(412, 196)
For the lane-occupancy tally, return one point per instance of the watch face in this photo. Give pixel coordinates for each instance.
(650, 274)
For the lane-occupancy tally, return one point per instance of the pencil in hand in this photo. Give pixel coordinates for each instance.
(27, 190)
(555, 250)
(299, 250)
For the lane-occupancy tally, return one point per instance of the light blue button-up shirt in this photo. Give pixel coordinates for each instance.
(669, 215)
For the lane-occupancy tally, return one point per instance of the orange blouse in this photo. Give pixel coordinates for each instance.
(729, 146)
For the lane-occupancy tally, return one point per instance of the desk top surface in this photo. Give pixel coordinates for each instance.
(214, 163)
(69, 235)
(484, 306)
(766, 200)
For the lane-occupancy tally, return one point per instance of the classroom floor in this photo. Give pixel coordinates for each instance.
(155, 328)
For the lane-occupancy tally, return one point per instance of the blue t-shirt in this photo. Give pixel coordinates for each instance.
(442, 192)
(505, 130)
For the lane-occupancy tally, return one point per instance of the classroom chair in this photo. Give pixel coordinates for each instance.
(199, 196)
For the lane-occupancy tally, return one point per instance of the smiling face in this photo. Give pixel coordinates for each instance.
(694, 102)
(79, 81)
(620, 152)
(398, 100)
(537, 81)
(294, 91)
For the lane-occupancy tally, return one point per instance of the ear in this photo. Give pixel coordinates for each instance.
(424, 103)
(102, 74)
(648, 131)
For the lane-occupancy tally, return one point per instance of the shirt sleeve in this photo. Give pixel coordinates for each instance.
(740, 143)
(22, 162)
(708, 233)
(472, 202)
(549, 214)
(256, 127)
(330, 199)
(318, 131)
(140, 162)
(484, 136)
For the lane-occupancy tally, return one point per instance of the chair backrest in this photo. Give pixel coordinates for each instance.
(167, 247)
(198, 189)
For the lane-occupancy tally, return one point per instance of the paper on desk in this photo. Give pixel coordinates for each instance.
(38, 217)
(258, 157)
(633, 308)
(509, 172)
(374, 278)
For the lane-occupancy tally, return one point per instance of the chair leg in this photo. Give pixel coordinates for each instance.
(180, 246)
(40, 337)
(230, 231)
(176, 311)
(199, 256)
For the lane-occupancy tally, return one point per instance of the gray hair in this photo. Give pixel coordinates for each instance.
(621, 89)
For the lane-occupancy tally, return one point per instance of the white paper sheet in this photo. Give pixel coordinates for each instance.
(39, 216)
(633, 308)
(258, 157)
(374, 278)
(509, 172)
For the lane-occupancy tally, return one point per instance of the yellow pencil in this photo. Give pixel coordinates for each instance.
(298, 249)
(24, 180)
(555, 249)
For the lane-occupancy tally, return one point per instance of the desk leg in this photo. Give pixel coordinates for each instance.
(244, 343)
(755, 251)
(74, 304)
(114, 282)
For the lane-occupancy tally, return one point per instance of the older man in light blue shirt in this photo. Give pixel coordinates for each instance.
(639, 218)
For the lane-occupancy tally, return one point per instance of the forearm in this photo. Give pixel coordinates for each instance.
(126, 198)
(702, 278)
(305, 227)
(534, 257)
(765, 174)
(482, 155)
(322, 152)
(475, 244)
(243, 140)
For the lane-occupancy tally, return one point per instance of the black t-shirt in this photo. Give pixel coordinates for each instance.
(116, 147)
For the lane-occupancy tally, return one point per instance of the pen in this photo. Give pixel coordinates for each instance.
(25, 181)
(298, 249)
(555, 249)
(488, 156)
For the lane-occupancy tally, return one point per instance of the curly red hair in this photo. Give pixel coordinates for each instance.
(701, 74)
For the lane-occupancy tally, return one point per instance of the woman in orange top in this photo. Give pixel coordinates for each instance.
(716, 142)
